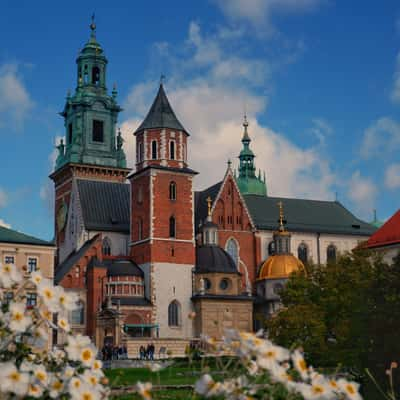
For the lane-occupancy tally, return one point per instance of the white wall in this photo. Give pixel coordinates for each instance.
(343, 243)
(119, 241)
(173, 282)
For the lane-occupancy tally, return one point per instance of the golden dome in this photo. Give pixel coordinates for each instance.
(280, 266)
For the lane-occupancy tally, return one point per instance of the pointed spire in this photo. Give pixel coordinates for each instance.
(246, 137)
(161, 114)
(114, 91)
(229, 162)
(209, 204)
(93, 28)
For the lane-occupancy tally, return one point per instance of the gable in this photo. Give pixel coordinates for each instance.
(387, 234)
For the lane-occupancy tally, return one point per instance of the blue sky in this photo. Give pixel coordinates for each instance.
(320, 80)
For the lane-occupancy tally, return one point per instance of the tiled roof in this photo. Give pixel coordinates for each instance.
(387, 234)
(8, 235)
(301, 215)
(105, 205)
(63, 268)
(122, 267)
(306, 216)
(161, 114)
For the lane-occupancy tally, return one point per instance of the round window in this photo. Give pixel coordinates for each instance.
(224, 284)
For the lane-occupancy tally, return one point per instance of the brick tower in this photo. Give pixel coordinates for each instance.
(162, 217)
(92, 149)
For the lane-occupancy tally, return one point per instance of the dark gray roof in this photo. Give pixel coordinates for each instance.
(63, 268)
(105, 205)
(8, 235)
(211, 259)
(130, 301)
(223, 297)
(306, 216)
(184, 170)
(161, 115)
(200, 203)
(122, 267)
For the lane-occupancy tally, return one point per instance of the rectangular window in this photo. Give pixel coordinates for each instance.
(9, 259)
(8, 296)
(32, 264)
(31, 300)
(98, 131)
(69, 133)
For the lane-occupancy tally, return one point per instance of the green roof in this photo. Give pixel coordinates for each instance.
(306, 216)
(11, 236)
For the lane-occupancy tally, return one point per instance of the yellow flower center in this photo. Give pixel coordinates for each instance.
(317, 389)
(333, 384)
(93, 380)
(302, 365)
(77, 383)
(41, 376)
(7, 268)
(33, 389)
(57, 385)
(87, 396)
(86, 355)
(15, 376)
(48, 294)
(350, 389)
(270, 354)
(18, 316)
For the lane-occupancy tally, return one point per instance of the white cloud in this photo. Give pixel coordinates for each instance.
(321, 129)
(260, 12)
(3, 198)
(381, 138)
(15, 100)
(3, 223)
(392, 176)
(362, 192)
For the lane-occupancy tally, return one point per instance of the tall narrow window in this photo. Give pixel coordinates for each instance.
(183, 152)
(96, 76)
(31, 300)
(173, 313)
(98, 131)
(85, 75)
(140, 229)
(331, 254)
(271, 248)
(172, 150)
(172, 227)
(302, 252)
(172, 191)
(232, 249)
(107, 246)
(154, 150)
(78, 314)
(70, 133)
(140, 152)
(32, 264)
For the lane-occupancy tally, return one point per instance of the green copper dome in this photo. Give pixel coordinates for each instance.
(247, 180)
(91, 114)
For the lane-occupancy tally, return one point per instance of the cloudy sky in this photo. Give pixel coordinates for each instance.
(319, 80)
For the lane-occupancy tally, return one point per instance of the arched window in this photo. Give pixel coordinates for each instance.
(96, 76)
(172, 227)
(271, 248)
(302, 252)
(78, 314)
(331, 254)
(173, 313)
(172, 150)
(232, 249)
(140, 229)
(154, 150)
(107, 246)
(85, 75)
(172, 191)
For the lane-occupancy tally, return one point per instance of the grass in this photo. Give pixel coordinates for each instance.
(183, 394)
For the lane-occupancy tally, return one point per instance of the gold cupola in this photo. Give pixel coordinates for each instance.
(283, 262)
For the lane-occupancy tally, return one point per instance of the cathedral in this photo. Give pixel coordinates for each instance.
(152, 259)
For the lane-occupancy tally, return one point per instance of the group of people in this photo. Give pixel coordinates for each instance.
(147, 353)
(110, 352)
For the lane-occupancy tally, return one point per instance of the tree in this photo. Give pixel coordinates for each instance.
(345, 313)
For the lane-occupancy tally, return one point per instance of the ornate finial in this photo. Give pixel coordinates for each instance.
(93, 27)
(229, 163)
(114, 91)
(162, 79)
(375, 219)
(281, 217)
(209, 202)
(246, 137)
(68, 93)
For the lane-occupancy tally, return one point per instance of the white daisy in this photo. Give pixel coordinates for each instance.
(35, 390)
(300, 364)
(12, 380)
(9, 274)
(144, 390)
(350, 389)
(18, 321)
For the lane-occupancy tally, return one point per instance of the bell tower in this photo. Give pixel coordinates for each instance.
(162, 216)
(92, 148)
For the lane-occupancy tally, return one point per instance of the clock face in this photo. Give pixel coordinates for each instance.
(61, 217)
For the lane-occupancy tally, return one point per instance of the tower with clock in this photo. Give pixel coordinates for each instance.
(92, 147)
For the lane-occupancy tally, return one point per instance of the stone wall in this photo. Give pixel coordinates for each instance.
(174, 347)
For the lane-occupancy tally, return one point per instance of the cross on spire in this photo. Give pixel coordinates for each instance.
(93, 27)
(281, 217)
(209, 201)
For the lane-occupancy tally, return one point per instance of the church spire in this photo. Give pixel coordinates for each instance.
(247, 180)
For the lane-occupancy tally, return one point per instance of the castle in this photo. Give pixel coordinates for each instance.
(149, 256)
